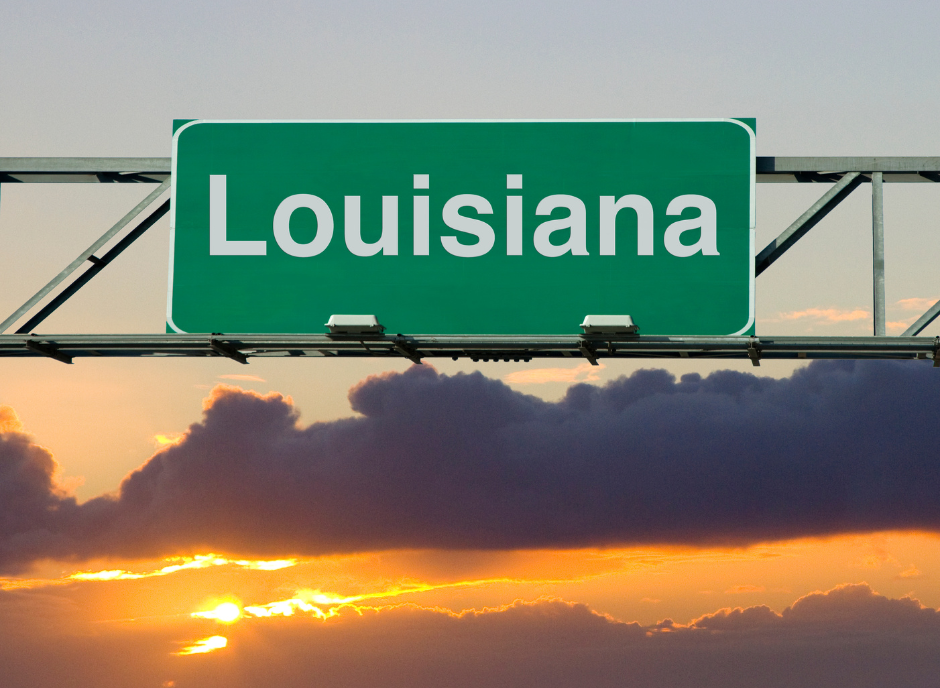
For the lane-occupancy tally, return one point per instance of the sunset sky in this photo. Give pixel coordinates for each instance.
(174, 523)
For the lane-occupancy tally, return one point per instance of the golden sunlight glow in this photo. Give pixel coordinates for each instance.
(215, 642)
(164, 440)
(288, 607)
(227, 612)
(200, 561)
(116, 574)
(324, 605)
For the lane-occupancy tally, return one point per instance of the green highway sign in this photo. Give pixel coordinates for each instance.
(463, 227)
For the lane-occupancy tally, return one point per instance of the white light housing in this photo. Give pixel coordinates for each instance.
(354, 324)
(609, 324)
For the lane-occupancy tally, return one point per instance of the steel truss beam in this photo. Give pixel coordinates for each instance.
(845, 173)
(242, 347)
(85, 170)
(770, 169)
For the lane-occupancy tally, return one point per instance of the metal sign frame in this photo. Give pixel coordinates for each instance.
(845, 173)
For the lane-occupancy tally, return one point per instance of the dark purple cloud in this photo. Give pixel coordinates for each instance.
(849, 637)
(464, 461)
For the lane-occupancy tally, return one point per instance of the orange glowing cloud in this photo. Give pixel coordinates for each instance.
(210, 644)
(162, 440)
(200, 561)
(832, 315)
(916, 304)
(9, 421)
(222, 391)
(324, 605)
(584, 372)
(739, 589)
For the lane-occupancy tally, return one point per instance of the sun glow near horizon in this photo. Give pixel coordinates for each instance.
(226, 612)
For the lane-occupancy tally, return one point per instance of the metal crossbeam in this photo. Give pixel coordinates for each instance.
(481, 348)
(770, 169)
(84, 170)
(781, 169)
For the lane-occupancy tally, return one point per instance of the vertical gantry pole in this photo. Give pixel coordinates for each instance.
(878, 251)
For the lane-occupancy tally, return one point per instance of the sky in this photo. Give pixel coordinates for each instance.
(176, 523)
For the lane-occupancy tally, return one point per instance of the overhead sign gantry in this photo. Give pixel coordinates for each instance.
(561, 339)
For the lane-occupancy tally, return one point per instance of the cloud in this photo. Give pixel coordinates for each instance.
(839, 315)
(847, 636)
(846, 608)
(9, 421)
(242, 378)
(912, 572)
(585, 372)
(916, 304)
(465, 462)
(832, 315)
(898, 326)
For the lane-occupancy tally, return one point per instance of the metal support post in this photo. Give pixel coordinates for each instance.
(878, 252)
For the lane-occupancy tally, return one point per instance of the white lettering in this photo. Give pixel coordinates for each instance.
(219, 243)
(470, 225)
(644, 223)
(282, 225)
(387, 243)
(422, 217)
(514, 217)
(514, 225)
(576, 222)
(707, 221)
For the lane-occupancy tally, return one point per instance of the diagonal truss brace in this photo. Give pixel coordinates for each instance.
(99, 264)
(923, 321)
(807, 221)
(87, 254)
